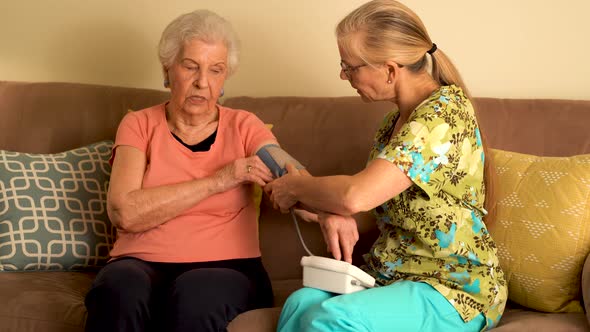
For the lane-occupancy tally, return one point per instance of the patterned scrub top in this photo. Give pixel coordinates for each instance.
(433, 231)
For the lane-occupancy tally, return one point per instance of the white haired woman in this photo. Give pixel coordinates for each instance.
(187, 256)
(435, 263)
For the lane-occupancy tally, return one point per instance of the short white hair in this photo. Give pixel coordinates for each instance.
(202, 25)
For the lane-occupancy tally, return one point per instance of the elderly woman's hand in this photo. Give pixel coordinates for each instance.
(243, 170)
(340, 233)
(280, 190)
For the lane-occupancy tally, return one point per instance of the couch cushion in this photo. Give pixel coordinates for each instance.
(43, 301)
(542, 227)
(53, 209)
(260, 320)
(519, 320)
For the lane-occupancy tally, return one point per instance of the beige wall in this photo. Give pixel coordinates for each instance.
(504, 48)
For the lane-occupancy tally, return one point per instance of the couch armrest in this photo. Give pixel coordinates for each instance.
(586, 287)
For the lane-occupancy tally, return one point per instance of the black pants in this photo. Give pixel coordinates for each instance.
(129, 294)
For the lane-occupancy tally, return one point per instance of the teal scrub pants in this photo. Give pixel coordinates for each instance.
(403, 306)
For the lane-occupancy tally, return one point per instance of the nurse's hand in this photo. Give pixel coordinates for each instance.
(281, 191)
(340, 233)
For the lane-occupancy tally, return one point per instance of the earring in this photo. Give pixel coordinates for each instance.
(166, 83)
(221, 93)
(388, 81)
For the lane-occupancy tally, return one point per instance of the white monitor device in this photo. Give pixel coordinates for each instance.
(334, 276)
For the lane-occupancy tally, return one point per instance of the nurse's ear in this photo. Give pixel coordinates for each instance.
(392, 71)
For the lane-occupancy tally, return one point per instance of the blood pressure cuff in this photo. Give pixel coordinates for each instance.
(276, 159)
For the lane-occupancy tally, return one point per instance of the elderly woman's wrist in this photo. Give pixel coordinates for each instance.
(217, 184)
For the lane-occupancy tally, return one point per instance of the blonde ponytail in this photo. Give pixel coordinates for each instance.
(444, 71)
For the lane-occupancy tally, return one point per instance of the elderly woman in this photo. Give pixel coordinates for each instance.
(187, 256)
(435, 263)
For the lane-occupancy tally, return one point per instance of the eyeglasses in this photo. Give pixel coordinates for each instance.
(348, 70)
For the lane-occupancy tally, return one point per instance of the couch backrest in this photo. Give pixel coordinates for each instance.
(544, 127)
(55, 117)
(328, 135)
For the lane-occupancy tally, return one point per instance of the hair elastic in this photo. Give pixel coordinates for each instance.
(432, 49)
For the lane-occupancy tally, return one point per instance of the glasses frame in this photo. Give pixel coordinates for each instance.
(348, 70)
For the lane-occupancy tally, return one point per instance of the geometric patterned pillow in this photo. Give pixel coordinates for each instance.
(53, 209)
(542, 227)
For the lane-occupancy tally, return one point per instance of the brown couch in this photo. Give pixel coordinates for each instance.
(328, 135)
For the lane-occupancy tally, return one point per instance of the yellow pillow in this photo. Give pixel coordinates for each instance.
(542, 227)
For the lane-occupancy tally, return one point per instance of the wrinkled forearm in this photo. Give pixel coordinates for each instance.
(143, 209)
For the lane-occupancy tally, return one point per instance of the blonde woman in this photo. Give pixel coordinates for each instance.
(434, 261)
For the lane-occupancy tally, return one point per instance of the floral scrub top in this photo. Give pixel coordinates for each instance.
(433, 231)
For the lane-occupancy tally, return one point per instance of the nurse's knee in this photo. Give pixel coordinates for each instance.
(307, 296)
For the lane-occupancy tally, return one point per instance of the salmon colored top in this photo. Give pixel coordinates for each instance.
(222, 226)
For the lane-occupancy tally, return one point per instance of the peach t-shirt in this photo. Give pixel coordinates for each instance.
(222, 226)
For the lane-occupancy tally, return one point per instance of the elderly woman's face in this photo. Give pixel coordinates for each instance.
(197, 76)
